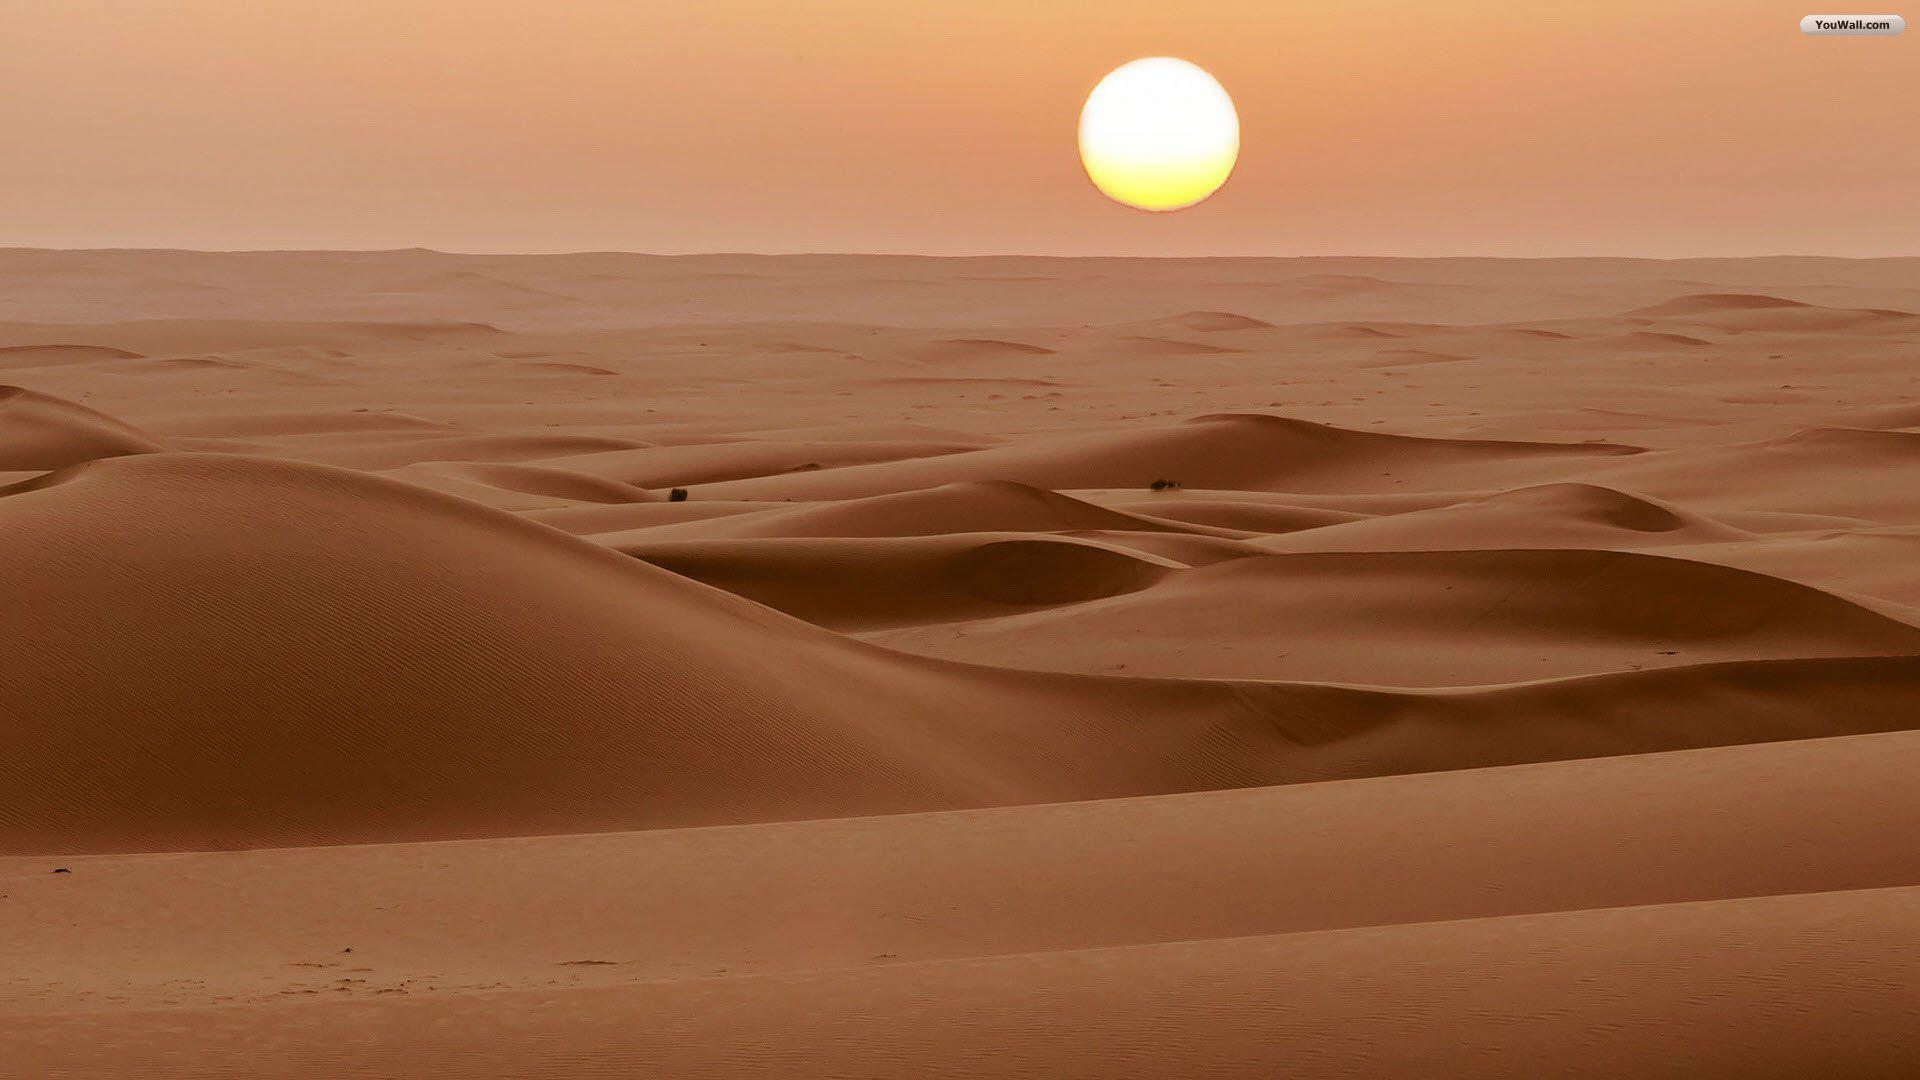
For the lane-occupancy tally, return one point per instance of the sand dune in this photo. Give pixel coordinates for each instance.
(1715, 303)
(964, 349)
(404, 450)
(1757, 312)
(564, 687)
(1158, 345)
(878, 432)
(1795, 984)
(33, 356)
(1200, 322)
(967, 506)
(1869, 562)
(1404, 357)
(714, 463)
(175, 336)
(1550, 516)
(1252, 451)
(1855, 473)
(424, 664)
(1892, 418)
(613, 518)
(1605, 832)
(580, 918)
(1428, 619)
(1241, 515)
(38, 431)
(297, 422)
(503, 485)
(862, 584)
(1656, 340)
(1183, 548)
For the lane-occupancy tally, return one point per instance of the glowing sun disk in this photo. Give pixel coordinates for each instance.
(1159, 134)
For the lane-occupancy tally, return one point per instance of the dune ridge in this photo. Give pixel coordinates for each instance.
(1216, 451)
(859, 583)
(964, 506)
(1565, 515)
(39, 431)
(1437, 618)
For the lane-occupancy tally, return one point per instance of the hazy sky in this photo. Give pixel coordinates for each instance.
(1639, 127)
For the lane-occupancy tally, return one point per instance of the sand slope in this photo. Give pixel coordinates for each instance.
(1427, 619)
(303, 654)
(38, 431)
(916, 910)
(861, 584)
(1672, 991)
(974, 506)
(1600, 832)
(1251, 451)
(1550, 516)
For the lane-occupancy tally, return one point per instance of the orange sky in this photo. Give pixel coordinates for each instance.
(1493, 127)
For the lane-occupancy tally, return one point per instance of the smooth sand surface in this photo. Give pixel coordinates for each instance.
(877, 667)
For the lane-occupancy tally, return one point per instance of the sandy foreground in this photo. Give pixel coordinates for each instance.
(1064, 668)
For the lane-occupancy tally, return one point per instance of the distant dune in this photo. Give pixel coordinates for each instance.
(33, 356)
(1751, 312)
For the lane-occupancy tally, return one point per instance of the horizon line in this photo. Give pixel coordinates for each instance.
(738, 254)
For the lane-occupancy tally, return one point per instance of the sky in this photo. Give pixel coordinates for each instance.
(1369, 127)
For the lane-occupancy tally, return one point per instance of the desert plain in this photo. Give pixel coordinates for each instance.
(416, 664)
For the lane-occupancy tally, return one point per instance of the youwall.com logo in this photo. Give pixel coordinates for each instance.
(1849, 25)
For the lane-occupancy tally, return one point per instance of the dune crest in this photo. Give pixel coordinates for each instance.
(1700, 303)
(861, 583)
(1225, 450)
(32, 356)
(963, 506)
(1565, 515)
(39, 431)
(1436, 618)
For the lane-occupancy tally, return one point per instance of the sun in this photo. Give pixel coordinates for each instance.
(1159, 134)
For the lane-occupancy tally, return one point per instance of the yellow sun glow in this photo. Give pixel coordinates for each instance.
(1159, 134)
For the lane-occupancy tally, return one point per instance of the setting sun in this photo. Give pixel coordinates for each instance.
(1159, 134)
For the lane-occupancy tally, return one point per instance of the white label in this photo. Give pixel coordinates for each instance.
(1847, 25)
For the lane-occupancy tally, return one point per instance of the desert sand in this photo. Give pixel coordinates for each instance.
(856, 666)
